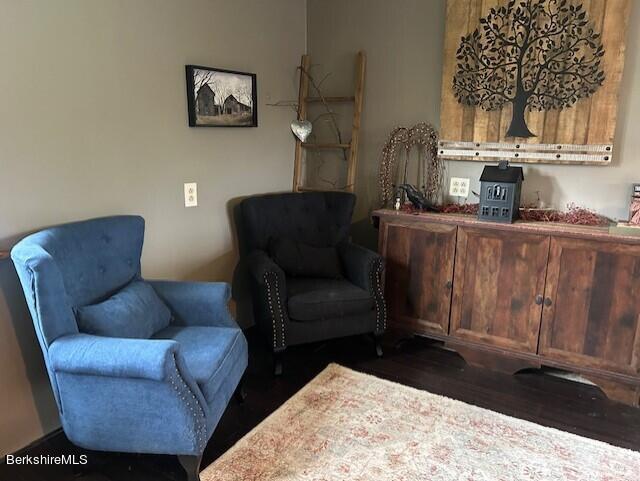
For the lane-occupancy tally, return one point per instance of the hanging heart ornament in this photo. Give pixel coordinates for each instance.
(301, 129)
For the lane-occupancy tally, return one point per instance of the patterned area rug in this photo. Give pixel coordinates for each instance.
(346, 425)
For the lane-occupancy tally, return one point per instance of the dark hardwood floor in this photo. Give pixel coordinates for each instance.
(420, 363)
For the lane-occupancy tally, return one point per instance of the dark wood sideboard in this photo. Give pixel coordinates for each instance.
(520, 295)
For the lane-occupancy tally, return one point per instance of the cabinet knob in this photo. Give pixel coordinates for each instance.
(449, 285)
(547, 301)
(539, 300)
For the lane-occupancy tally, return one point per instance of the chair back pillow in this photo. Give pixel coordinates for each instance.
(302, 260)
(135, 311)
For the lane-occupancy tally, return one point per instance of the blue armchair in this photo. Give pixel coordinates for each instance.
(163, 394)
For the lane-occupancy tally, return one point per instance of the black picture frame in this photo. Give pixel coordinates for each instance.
(204, 110)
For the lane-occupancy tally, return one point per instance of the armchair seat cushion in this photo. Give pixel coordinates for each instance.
(311, 299)
(209, 353)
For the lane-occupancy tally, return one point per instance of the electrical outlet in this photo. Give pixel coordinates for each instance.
(190, 194)
(459, 187)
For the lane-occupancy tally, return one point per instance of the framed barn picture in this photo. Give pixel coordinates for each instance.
(221, 98)
(532, 80)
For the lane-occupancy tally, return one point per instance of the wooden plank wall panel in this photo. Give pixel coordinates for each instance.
(468, 118)
(604, 103)
(583, 109)
(535, 121)
(589, 121)
(481, 117)
(452, 122)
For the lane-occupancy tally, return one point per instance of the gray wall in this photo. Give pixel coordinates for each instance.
(403, 40)
(93, 122)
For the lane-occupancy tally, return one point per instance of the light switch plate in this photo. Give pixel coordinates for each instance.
(191, 194)
(459, 187)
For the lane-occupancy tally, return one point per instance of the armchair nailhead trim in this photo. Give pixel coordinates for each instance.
(280, 315)
(375, 271)
(189, 398)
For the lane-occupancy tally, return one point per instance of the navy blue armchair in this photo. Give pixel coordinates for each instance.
(298, 309)
(163, 393)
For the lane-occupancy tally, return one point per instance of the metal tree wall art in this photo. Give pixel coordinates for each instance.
(535, 54)
(551, 53)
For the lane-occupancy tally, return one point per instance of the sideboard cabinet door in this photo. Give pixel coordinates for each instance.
(418, 274)
(499, 283)
(592, 305)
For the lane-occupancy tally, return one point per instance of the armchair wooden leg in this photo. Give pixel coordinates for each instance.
(78, 470)
(240, 393)
(277, 361)
(378, 342)
(191, 465)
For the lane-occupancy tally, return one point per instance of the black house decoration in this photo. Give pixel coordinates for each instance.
(500, 187)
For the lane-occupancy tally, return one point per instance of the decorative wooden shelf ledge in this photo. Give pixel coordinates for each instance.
(325, 146)
(335, 100)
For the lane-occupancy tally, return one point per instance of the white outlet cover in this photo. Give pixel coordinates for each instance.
(191, 194)
(459, 187)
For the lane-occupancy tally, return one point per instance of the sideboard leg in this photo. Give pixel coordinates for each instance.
(397, 338)
(191, 465)
(618, 391)
(240, 393)
(485, 359)
(377, 339)
(277, 363)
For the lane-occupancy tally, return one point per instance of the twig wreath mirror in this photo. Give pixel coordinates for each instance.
(395, 159)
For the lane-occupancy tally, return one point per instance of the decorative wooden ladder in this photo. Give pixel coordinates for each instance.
(352, 146)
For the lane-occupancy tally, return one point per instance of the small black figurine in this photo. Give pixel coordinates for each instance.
(416, 197)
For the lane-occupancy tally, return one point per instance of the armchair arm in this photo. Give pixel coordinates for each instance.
(260, 264)
(113, 357)
(364, 268)
(197, 303)
(130, 395)
(269, 297)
